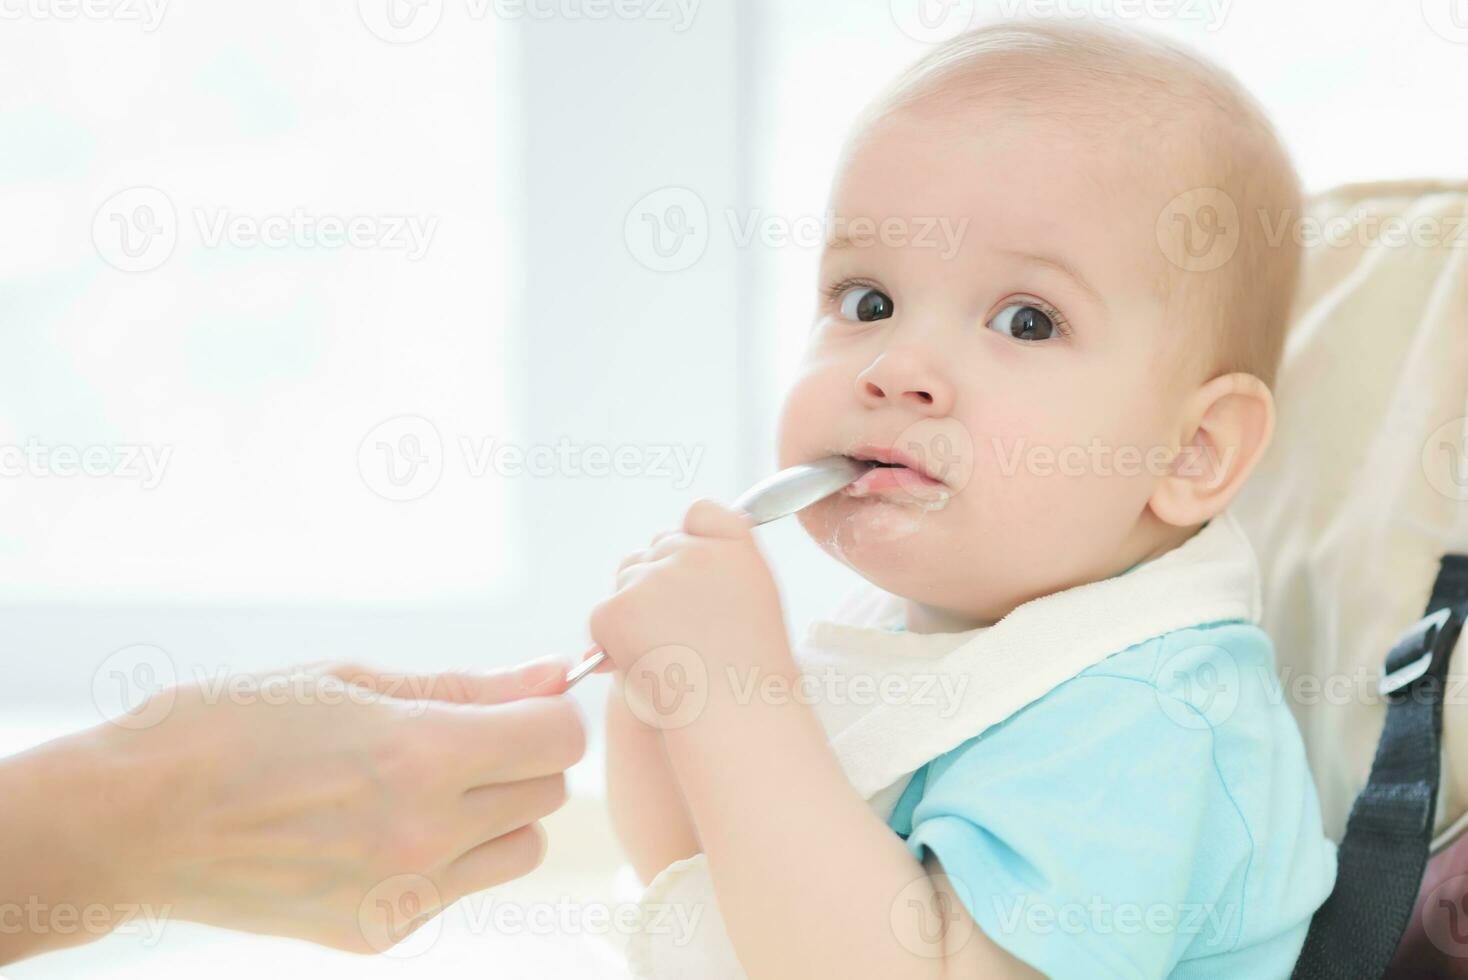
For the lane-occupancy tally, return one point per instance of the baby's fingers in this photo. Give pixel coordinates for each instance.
(662, 536)
(636, 558)
(651, 553)
(711, 519)
(664, 545)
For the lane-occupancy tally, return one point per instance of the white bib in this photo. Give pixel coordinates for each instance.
(892, 701)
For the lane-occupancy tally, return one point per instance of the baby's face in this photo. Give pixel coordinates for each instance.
(1028, 378)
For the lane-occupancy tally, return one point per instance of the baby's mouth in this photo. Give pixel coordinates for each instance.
(897, 477)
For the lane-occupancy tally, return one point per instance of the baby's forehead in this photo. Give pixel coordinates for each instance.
(1081, 140)
(1134, 114)
(1014, 180)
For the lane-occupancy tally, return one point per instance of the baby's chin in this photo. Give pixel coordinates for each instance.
(885, 539)
(915, 553)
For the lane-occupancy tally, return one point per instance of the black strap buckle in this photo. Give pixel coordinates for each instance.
(1412, 655)
(1381, 859)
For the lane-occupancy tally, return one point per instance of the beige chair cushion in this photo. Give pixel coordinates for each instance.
(1366, 484)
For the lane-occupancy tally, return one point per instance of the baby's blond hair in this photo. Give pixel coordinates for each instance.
(1215, 138)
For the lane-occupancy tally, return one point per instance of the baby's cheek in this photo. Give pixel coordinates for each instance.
(804, 425)
(793, 433)
(1043, 462)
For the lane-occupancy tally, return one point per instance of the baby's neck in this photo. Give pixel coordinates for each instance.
(1153, 539)
(930, 619)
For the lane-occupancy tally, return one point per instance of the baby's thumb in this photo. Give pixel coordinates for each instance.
(711, 519)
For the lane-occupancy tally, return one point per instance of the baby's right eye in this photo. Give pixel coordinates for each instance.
(866, 304)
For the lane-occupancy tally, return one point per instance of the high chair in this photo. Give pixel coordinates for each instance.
(1359, 515)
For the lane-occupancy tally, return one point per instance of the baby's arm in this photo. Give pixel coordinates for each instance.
(810, 881)
(647, 808)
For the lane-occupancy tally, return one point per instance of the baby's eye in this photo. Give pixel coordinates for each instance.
(866, 304)
(1023, 322)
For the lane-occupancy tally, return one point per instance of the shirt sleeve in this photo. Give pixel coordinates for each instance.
(1091, 834)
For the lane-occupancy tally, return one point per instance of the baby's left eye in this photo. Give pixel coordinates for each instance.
(1023, 321)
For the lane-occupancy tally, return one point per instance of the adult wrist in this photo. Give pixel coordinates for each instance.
(64, 883)
(117, 787)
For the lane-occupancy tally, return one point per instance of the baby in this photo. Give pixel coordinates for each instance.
(1049, 737)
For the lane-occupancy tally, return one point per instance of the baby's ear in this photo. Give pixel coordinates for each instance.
(1227, 426)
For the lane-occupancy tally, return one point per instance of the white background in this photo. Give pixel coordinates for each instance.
(540, 315)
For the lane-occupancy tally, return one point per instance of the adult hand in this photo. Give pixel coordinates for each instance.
(332, 804)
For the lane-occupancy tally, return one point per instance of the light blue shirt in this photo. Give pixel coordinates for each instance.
(1153, 816)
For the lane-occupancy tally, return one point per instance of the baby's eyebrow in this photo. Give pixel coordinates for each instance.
(1061, 266)
(840, 240)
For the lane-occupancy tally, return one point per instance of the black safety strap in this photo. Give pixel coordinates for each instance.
(1384, 853)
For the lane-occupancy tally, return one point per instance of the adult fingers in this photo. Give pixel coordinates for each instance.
(487, 812)
(506, 743)
(538, 678)
(495, 862)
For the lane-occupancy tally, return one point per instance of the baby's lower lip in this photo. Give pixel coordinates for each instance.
(888, 480)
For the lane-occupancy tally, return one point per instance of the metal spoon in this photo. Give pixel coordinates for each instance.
(772, 498)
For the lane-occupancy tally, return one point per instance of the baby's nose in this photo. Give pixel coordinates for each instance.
(903, 377)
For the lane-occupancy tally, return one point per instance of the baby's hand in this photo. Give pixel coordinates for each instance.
(698, 605)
